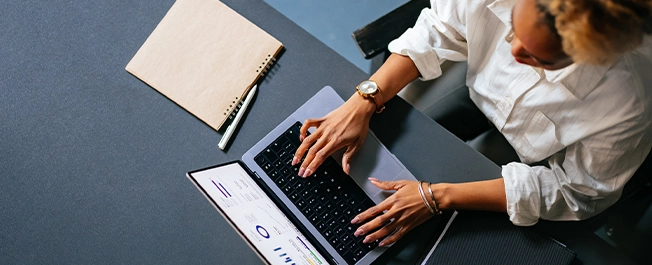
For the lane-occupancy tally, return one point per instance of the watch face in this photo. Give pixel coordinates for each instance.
(368, 87)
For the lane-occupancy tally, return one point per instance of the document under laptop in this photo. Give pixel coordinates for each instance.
(287, 219)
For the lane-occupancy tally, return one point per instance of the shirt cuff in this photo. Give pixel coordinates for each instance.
(413, 45)
(523, 194)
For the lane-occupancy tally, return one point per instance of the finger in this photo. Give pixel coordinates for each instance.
(346, 158)
(301, 150)
(372, 212)
(306, 125)
(315, 149)
(305, 147)
(387, 185)
(380, 230)
(394, 236)
(319, 156)
(376, 221)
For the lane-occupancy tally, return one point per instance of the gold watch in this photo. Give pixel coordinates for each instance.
(369, 89)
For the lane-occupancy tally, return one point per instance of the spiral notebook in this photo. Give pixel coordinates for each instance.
(205, 57)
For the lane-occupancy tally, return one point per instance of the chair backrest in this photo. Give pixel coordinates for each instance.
(642, 176)
(373, 38)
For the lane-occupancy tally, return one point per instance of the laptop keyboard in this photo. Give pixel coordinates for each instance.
(329, 198)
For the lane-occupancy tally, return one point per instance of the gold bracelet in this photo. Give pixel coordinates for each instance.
(434, 202)
(423, 196)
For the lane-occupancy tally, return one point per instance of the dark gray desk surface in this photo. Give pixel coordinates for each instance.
(93, 161)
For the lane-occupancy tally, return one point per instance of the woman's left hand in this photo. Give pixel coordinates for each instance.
(396, 215)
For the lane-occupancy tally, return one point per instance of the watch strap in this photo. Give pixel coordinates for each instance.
(378, 99)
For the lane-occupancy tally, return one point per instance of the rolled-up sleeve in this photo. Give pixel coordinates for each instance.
(438, 35)
(581, 182)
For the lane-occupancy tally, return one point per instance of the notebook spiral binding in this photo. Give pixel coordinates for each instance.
(266, 65)
(235, 110)
(262, 70)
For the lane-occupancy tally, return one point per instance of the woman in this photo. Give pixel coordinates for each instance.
(566, 82)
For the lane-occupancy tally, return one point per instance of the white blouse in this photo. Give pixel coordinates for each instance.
(593, 124)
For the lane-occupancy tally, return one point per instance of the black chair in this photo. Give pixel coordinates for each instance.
(372, 39)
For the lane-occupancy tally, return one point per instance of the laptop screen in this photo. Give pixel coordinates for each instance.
(255, 216)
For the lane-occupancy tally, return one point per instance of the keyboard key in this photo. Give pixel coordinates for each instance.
(301, 204)
(287, 189)
(333, 240)
(349, 257)
(292, 179)
(271, 156)
(278, 146)
(330, 235)
(348, 213)
(306, 194)
(284, 171)
(260, 160)
(359, 253)
(285, 156)
(325, 216)
(274, 175)
(267, 167)
(314, 218)
(341, 248)
(332, 223)
(347, 239)
(299, 187)
(290, 146)
(339, 231)
(312, 201)
(278, 164)
(320, 226)
(308, 211)
(293, 139)
(280, 181)
(294, 197)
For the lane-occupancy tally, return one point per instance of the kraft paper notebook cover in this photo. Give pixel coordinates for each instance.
(205, 57)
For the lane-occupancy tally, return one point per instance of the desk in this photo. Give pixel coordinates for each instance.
(93, 161)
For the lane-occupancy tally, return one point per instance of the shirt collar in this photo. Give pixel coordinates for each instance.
(503, 10)
(579, 79)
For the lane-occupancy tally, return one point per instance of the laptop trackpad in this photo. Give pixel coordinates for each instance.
(373, 160)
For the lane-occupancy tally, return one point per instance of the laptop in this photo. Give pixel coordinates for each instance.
(287, 219)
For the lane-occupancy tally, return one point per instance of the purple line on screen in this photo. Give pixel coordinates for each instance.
(227, 192)
(218, 187)
(304, 244)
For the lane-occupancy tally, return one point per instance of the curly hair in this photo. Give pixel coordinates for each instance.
(598, 31)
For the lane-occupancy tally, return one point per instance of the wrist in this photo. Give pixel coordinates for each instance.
(362, 105)
(441, 192)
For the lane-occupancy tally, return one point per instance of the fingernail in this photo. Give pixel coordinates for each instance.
(300, 138)
(347, 168)
(381, 244)
(295, 160)
(307, 173)
(301, 170)
(358, 232)
(374, 179)
(355, 220)
(366, 240)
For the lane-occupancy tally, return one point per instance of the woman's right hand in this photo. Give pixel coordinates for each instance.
(345, 126)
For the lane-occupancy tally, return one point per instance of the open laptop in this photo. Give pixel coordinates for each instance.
(290, 220)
